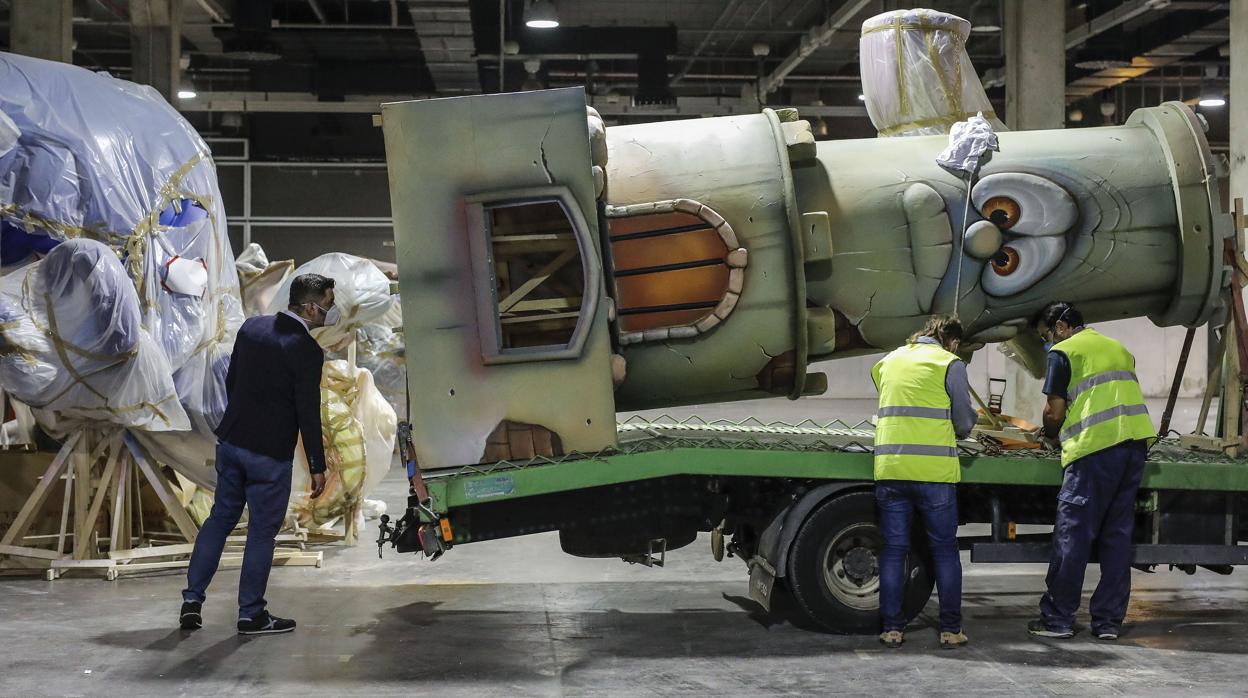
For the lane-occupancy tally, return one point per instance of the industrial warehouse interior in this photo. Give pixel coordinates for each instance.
(623, 347)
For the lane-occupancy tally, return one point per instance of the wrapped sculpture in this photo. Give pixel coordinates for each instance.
(710, 260)
(111, 172)
(357, 422)
(917, 79)
(359, 430)
(121, 298)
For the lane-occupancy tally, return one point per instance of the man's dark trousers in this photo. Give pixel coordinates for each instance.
(1096, 506)
(263, 484)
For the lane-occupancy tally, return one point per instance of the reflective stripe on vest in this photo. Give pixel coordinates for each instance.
(915, 450)
(1100, 378)
(914, 437)
(1092, 420)
(1105, 405)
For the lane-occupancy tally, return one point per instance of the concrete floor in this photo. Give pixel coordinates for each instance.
(518, 617)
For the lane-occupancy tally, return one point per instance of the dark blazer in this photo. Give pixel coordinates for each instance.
(274, 390)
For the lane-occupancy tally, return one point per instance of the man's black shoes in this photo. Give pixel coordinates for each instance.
(190, 618)
(265, 624)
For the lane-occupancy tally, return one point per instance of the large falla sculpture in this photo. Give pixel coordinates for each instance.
(560, 280)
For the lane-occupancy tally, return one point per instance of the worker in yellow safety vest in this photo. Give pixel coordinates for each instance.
(1096, 408)
(924, 408)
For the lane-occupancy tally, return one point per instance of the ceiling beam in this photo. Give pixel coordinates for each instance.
(812, 41)
(729, 10)
(215, 10)
(270, 102)
(1120, 15)
(317, 10)
(1215, 33)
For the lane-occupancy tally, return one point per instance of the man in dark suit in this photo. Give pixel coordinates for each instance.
(274, 395)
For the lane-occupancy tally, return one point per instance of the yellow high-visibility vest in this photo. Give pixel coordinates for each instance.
(914, 438)
(1104, 403)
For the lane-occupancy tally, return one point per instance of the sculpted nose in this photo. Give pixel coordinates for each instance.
(982, 240)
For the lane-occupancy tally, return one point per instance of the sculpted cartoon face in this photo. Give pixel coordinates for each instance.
(1102, 217)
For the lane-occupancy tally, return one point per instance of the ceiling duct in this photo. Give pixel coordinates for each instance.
(444, 28)
(249, 39)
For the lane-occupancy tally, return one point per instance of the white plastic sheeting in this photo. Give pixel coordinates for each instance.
(361, 294)
(380, 349)
(916, 75)
(102, 159)
(968, 142)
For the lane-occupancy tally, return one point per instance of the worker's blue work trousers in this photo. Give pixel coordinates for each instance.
(263, 484)
(937, 503)
(1096, 507)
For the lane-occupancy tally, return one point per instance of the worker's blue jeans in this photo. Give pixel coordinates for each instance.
(1096, 506)
(263, 484)
(937, 503)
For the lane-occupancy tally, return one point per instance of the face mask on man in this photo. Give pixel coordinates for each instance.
(331, 315)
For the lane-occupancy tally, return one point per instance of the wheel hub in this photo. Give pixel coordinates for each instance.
(860, 565)
(850, 566)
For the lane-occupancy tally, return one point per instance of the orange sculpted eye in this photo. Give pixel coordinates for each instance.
(1003, 211)
(1005, 262)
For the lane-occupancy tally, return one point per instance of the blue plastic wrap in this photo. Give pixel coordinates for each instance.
(85, 155)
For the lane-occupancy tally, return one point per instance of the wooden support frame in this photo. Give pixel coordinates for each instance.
(105, 471)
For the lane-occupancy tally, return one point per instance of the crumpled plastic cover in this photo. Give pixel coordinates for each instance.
(968, 141)
(361, 294)
(259, 279)
(110, 160)
(73, 345)
(917, 78)
(380, 349)
(358, 427)
(8, 138)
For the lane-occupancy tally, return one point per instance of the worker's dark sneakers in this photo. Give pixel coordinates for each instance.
(892, 639)
(265, 624)
(1039, 629)
(1108, 634)
(952, 641)
(190, 618)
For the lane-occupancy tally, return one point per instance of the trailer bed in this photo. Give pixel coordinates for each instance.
(837, 450)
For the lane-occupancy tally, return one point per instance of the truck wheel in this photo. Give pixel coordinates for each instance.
(833, 567)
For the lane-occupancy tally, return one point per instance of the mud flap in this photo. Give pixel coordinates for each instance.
(762, 581)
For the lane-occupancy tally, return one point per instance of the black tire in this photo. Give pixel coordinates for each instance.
(843, 531)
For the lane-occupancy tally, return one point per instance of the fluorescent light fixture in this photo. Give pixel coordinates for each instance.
(541, 14)
(186, 93)
(1212, 102)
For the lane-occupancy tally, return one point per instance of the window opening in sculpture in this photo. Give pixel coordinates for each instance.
(539, 276)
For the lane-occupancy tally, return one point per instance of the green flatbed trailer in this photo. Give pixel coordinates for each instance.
(796, 504)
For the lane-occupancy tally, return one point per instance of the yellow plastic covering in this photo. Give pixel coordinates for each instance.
(916, 75)
(358, 427)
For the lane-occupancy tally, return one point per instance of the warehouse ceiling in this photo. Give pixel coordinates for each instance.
(306, 73)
